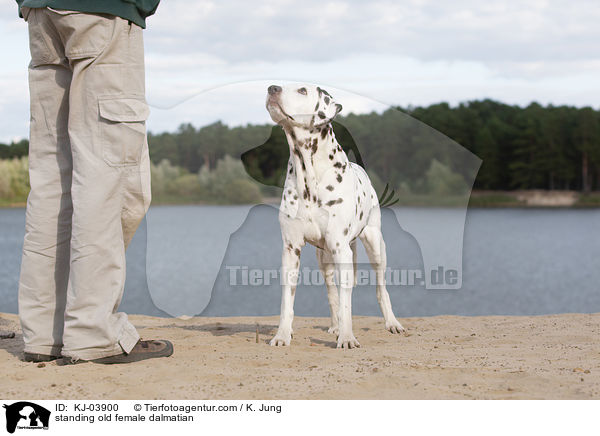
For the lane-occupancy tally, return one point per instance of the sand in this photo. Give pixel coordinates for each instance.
(443, 357)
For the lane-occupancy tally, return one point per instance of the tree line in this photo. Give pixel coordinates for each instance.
(532, 147)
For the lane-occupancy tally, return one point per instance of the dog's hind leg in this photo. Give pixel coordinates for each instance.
(290, 263)
(328, 269)
(375, 246)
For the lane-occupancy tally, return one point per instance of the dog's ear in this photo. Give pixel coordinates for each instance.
(328, 108)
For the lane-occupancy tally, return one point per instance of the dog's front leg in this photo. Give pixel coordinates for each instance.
(328, 269)
(344, 262)
(290, 262)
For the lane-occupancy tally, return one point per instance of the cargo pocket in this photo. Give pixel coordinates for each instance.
(123, 129)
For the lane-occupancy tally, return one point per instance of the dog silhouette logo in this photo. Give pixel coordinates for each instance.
(26, 415)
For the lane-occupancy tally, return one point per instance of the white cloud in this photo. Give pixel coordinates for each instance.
(409, 52)
(316, 30)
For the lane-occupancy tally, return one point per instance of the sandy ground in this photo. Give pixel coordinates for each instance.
(546, 357)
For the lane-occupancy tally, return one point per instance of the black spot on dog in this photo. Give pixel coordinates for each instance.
(337, 164)
(339, 178)
(295, 197)
(326, 100)
(317, 106)
(361, 215)
(297, 251)
(345, 231)
(324, 133)
(330, 157)
(329, 187)
(321, 115)
(332, 202)
(319, 202)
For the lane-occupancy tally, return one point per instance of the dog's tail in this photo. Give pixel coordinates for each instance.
(387, 199)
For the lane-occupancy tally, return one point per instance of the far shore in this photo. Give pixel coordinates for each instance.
(12, 205)
(479, 199)
(440, 357)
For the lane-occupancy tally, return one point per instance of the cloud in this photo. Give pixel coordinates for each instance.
(397, 52)
(316, 30)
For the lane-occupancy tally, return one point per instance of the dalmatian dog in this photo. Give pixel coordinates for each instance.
(328, 202)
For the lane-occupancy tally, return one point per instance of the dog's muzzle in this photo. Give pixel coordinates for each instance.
(274, 93)
(274, 89)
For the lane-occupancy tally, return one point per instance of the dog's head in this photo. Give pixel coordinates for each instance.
(304, 106)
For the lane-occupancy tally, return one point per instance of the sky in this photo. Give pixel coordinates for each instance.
(209, 60)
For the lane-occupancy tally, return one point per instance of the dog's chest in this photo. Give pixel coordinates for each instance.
(324, 192)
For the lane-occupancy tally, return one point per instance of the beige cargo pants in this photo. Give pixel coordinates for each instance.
(90, 181)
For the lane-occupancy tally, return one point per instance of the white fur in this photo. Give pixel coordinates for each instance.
(329, 202)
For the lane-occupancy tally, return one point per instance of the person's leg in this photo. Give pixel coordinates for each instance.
(110, 188)
(45, 262)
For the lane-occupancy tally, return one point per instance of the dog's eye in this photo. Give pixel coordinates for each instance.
(302, 91)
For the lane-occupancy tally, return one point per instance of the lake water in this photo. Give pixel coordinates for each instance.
(204, 260)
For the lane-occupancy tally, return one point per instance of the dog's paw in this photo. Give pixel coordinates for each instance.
(347, 341)
(394, 326)
(281, 339)
(334, 330)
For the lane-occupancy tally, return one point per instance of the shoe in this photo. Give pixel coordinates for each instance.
(35, 357)
(143, 350)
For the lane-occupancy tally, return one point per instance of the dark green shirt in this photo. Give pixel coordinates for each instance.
(132, 10)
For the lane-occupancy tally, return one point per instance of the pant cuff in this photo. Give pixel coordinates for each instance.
(129, 337)
(127, 340)
(47, 350)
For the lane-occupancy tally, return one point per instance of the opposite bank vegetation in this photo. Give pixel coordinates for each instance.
(554, 151)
